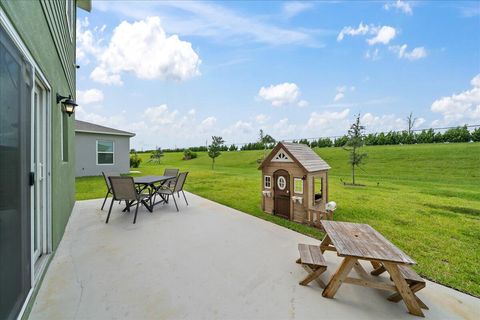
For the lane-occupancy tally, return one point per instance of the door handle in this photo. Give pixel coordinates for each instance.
(31, 178)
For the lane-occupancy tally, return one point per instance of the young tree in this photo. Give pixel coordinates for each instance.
(411, 123)
(156, 155)
(215, 148)
(265, 140)
(354, 143)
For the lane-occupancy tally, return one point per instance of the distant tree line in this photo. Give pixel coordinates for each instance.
(452, 135)
(458, 134)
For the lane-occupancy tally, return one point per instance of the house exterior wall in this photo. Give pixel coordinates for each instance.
(298, 212)
(42, 28)
(42, 25)
(86, 154)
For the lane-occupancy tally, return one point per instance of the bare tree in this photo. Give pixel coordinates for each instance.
(354, 143)
(411, 122)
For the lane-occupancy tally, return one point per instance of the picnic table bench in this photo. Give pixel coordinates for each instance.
(355, 242)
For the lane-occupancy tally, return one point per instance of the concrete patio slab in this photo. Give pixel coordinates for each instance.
(207, 261)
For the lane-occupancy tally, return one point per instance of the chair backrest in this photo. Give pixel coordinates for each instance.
(171, 172)
(180, 181)
(123, 188)
(109, 174)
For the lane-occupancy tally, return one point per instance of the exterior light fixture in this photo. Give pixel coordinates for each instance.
(68, 105)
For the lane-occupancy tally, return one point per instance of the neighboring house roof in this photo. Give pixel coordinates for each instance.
(87, 127)
(302, 154)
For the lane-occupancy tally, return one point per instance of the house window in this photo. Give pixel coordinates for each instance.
(298, 185)
(105, 152)
(267, 182)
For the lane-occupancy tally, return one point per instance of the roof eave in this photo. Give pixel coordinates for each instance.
(126, 134)
(85, 5)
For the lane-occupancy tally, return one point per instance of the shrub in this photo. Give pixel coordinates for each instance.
(189, 154)
(476, 135)
(459, 134)
(135, 161)
(340, 142)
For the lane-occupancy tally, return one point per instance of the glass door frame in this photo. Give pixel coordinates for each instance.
(37, 76)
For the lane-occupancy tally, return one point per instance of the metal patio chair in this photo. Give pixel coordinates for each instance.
(177, 188)
(170, 172)
(123, 189)
(107, 183)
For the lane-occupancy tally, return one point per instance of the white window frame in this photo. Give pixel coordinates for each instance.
(269, 182)
(112, 152)
(295, 185)
(69, 12)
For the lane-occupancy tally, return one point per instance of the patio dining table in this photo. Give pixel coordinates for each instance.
(353, 242)
(152, 184)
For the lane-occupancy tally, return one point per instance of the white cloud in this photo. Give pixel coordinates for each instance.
(362, 29)
(414, 54)
(384, 35)
(400, 5)
(382, 123)
(302, 103)
(207, 123)
(341, 90)
(242, 126)
(191, 112)
(327, 118)
(293, 8)
(280, 94)
(381, 34)
(261, 118)
(89, 96)
(283, 129)
(160, 115)
(88, 40)
(143, 48)
(372, 54)
(460, 108)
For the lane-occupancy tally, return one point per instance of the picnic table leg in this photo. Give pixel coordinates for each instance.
(325, 243)
(337, 279)
(403, 289)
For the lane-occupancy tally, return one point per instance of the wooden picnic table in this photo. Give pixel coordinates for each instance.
(354, 242)
(152, 184)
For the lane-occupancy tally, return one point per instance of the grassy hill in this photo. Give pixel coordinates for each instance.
(424, 198)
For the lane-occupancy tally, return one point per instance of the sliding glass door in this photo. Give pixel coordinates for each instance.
(15, 216)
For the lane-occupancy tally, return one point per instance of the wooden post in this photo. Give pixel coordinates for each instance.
(337, 279)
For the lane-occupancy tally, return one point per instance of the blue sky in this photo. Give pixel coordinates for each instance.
(176, 73)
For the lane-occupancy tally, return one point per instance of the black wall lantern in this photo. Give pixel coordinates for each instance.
(68, 105)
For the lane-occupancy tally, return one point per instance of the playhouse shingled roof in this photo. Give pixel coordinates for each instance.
(302, 154)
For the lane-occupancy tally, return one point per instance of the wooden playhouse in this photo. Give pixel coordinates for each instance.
(295, 184)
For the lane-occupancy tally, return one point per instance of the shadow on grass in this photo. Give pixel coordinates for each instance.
(454, 209)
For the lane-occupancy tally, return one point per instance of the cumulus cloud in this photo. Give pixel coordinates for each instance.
(280, 94)
(261, 118)
(143, 49)
(89, 96)
(327, 118)
(384, 35)
(459, 108)
(414, 54)
(160, 115)
(382, 123)
(381, 34)
(400, 5)
(207, 124)
(373, 54)
(242, 126)
(88, 40)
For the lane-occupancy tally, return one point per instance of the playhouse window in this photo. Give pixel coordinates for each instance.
(267, 182)
(298, 185)
(317, 190)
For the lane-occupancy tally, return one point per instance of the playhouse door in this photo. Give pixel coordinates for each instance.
(282, 193)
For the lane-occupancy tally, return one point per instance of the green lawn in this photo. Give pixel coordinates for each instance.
(424, 198)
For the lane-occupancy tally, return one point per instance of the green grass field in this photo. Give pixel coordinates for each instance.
(424, 198)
